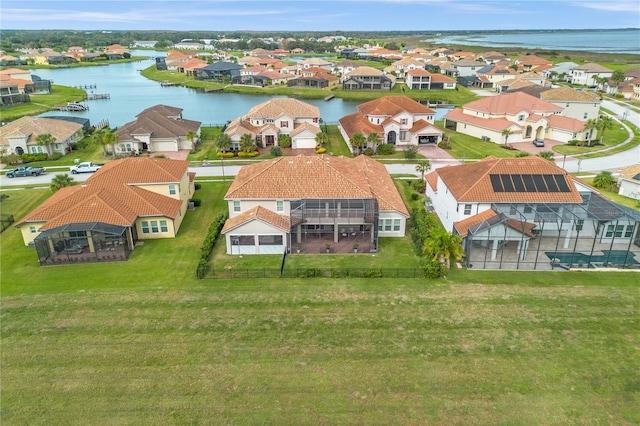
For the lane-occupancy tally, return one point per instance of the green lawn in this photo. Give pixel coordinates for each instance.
(467, 147)
(41, 103)
(144, 342)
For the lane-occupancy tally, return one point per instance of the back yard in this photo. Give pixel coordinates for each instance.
(144, 342)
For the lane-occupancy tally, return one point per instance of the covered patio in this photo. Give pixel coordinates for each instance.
(597, 233)
(84, 242)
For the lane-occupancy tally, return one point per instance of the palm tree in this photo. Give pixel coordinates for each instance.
(442, 245)
(247, 144)
(191, 136)
(506, 133)
(321, 138)
(106, 137)
(45, 139)
(423, 166)
(618, 76)
(223, 142)
(589, 127)
(61, 181)
(606, 122)
(373, 139)
(358, 141)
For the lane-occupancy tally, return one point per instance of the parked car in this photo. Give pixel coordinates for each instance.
(86, 167)
(538, 142)
(24, 171)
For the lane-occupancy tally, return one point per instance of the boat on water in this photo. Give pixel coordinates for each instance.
(167, 84)
(75, 106)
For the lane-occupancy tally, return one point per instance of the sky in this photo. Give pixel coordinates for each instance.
(319, 15)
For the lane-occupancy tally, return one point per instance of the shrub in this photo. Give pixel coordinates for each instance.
(418, 185)
(248, 154)
(209, 241)
(284, 141)
(368, 152)
(55, 156)
(221, 154)
(159, 156)
(30, 158)
(574, 142)
(414, 196)
(411, 152)
(196, 202)
(444, 145)
(276, 151)
(433, 269)
(321, 150)
(197, 186)
(386, 149)
(522, 154)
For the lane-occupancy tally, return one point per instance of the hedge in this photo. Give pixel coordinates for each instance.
(209, 241)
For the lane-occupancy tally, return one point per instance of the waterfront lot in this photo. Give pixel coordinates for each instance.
(144, 342)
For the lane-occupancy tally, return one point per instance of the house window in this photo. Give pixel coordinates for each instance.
(403, 136)
(163, 226)
(279, 206)
(284, 124)
(585, 116)
(614, 230)
(396, 225)
(521, 117)
(467, 209)
(512, 210)
(172, 190)
(145, 227)
(236, 206)
(154, 226)
(404, 121)
(579, 225)
(315, 119)
(629, 232)
(32, 229)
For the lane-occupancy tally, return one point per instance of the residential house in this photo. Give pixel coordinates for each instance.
(267, 121)
(219, 71)
(467, 67)
(310, 202)
(629, 182)
(492, 57)
(496, 74)
(420, 79)
(11, 61)
(561, 71)
(528, 213)
(587, 74)
(397, 120)
(345, 67)
(529, 63)
(189, 67)
(149, 44)
(105, 217)
(158, 128)
(578, 104)
(314, 77)
(19, 136)
(12, 92)
(525, 116)
(401, 67)
(368, 78)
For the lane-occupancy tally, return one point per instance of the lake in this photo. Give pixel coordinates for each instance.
(601, 41)
(131, 93)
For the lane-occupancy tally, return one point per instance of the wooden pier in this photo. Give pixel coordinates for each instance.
(94, 96)
(85, 86)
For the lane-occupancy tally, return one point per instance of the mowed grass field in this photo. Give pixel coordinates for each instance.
(143, 342)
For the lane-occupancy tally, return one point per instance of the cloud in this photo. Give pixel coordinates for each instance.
(614, 6)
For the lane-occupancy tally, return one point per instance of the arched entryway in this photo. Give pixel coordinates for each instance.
(391, 137)
(19, 150)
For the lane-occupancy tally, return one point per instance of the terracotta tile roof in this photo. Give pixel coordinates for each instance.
(630, 172)
(258, 213)
(364, 71)
(305, 126)
(565, 123)
(31, 127)
(532, 60)
(418, 71)
(317, 177)
(512, 103)
(432, 180)
(358, 123)
(392, 105)
(498, 124)
(279, 106)
(569, 94)
(7, 80)
(441, 78)
(111, 195)
(471, 182)
(490, 216)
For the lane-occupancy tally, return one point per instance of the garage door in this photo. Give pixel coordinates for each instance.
(301, 143)
(164, 146)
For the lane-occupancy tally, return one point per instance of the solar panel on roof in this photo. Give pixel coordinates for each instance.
(528, 183)
(496, 183)
(551, 183)
(506, 183)
(539, 182)
(562, 183)
(517, 183)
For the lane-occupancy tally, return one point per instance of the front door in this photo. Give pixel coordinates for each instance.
(391, 138)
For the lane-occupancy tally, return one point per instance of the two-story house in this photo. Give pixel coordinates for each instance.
(587, 74)
(578, 104)
(397, 120)
(269, 120)
(316, 203)
(528, 213)
(420, 79)
(524, 116)
(368, 78)
(125, 201)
